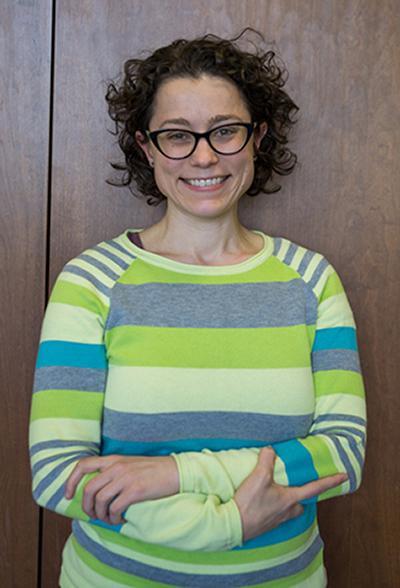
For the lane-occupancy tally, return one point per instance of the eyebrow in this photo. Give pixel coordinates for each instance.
(211, 121)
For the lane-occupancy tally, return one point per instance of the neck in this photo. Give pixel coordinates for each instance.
(201, 240)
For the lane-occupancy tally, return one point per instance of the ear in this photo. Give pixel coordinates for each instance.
(145, 145)
(260, 133)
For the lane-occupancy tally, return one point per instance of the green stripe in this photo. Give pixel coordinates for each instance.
(231, 558)
(332, 287)
(322, 457)
(271, 270)
(69, 293)
(338, 382)
(220, 348)
(74, 509)
(67, 404)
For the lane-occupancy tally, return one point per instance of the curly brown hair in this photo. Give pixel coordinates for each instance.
(259, 77)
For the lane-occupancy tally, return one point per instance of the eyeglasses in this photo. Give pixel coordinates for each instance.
(180, 143)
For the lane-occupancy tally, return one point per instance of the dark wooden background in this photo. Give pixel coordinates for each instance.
(343, 200)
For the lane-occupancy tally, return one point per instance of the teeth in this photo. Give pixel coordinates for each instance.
(204, 183)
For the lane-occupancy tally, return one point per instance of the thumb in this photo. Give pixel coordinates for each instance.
(266, 459)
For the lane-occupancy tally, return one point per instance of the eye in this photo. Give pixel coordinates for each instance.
(226, 132)
(178, 136)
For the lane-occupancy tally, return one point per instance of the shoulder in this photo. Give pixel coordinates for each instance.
(312, 267)
(97, 268)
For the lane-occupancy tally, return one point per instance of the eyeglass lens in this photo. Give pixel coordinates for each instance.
(226, 140)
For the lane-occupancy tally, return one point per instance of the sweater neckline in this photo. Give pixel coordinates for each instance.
(182, 267)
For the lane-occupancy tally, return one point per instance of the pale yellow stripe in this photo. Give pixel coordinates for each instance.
(75, 572)
(341, 404)
(317, 580)
(61, 321)
(335, 311)
(145, 389)
(319, 286)
(123, 256)
(80, 281)
(312, 267)
(64, 429)
(98, 274)
(104, 260)
(177, 566)
(285, 244)
(54, 486)
(298, 258)
(62, 451)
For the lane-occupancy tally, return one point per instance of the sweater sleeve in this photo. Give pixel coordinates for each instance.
(66, 420)
(336, 439)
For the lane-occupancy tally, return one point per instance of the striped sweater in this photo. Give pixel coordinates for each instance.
(143, 355)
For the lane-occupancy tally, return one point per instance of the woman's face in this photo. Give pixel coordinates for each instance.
(200, 105)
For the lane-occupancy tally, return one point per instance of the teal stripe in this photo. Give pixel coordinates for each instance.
(85, 355)
(298, 462)
(336, 338)
(111, 446)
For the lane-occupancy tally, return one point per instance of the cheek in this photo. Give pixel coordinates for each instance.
(165, 173)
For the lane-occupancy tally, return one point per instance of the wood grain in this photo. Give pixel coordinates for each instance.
(24, 114)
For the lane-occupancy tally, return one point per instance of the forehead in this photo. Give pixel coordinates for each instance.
(197, 100)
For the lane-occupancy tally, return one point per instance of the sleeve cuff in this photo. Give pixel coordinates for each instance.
(185, 473)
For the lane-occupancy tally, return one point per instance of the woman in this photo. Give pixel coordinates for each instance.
(198, 386)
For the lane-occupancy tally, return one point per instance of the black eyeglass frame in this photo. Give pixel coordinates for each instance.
(153, 136)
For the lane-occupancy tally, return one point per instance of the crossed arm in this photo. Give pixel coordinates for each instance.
(219, 498)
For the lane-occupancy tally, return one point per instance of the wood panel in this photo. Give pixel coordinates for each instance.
(25, 30)
(342, 199)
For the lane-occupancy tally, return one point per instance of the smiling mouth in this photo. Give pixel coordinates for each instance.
(204, 183)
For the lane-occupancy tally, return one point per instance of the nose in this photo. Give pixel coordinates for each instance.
(204, 155)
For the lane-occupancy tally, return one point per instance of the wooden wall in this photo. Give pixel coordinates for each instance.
(343, 200)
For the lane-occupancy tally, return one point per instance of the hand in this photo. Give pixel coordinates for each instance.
(122, 481)
(263, 504)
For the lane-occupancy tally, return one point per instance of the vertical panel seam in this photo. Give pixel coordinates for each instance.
(40, 580)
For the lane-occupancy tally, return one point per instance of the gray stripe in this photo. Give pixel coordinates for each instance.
(155, 574)
(277, 245)
(88, 276)
(356, 451)
(69, 378)
(339, 434)
(43, 462)
(335, 359)
(55, 444)
(348, 432)
(119, 247)
(338, 416)
(99, 265)
(305, 262)
(346, 462)
(51, 476)
(117, 260)
(56, 498)
(323, 264)
(258, 305)
(290, 254)
(199, 425)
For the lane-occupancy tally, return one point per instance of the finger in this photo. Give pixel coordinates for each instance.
(84, 466)
(116, 508)
(103, 501)
(91, 490)
(317, 487)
